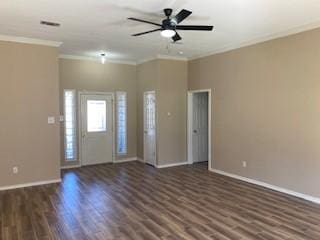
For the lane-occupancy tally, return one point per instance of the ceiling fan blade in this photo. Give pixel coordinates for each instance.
(144, 21)
(194, 27)
(139, 34)
(176, 37)
(183, 14)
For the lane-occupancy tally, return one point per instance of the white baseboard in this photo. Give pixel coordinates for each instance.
(116, 161)
(172, 165)
(267, 185)
(29, 184)
(126, 160)
(140, 159)
(70, 167)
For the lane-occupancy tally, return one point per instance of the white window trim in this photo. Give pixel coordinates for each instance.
(74, 115)
(117, 124)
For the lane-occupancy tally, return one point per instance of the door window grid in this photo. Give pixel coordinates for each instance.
(150, 109)
(96, 116)
(121, 98)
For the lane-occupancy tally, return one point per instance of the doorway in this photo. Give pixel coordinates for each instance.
(149, 125)
(96, 128)
(199, 126)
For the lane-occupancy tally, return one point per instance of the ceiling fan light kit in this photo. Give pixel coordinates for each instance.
(169, 26)
(168, 33)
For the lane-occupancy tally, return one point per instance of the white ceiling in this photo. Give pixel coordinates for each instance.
(91, 26)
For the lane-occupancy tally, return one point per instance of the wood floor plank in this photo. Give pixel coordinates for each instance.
(136, 201)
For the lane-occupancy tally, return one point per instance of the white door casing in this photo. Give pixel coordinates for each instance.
(200, 127)
(96, 130)
(190, 96)
(149, 131)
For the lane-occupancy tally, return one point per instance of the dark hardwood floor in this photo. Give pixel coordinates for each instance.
(136, 201)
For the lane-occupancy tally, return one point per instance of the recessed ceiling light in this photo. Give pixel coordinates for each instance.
(51, 24)
(180, 52)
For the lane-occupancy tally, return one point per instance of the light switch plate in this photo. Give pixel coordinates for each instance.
(51, 120)
(61, 118)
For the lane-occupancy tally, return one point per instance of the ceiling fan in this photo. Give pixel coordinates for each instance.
(170, 25)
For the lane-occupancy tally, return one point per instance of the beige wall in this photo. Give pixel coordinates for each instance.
(169, 79)
(29, 94)
(147, 76)
(266, 110)
(109, 77)
(171, 100)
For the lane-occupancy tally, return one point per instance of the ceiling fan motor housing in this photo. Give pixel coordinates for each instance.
(168, 24)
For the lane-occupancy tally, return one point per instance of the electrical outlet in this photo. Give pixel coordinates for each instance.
(15, 170)
(244, 164)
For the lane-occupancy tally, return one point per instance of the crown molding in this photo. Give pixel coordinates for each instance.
(287, 33)
(162, 57)
(168, 57)
(82, 58)
(146, 60)
(35, 41)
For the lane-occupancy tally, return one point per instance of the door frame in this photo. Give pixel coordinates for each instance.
(83, 92)
(190, 123)
(156, 126)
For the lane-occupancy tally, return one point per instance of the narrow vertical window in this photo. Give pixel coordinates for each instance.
(121, 99)
(70, 125)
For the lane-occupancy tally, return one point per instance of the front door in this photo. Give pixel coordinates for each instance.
(150, 128)
(96, 128)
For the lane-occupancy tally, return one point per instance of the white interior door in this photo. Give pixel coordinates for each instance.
(200, 127)
(96, 128)
(149, 104)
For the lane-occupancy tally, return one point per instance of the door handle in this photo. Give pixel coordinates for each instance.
(195, 131)
(83, 135)
(145, 131)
